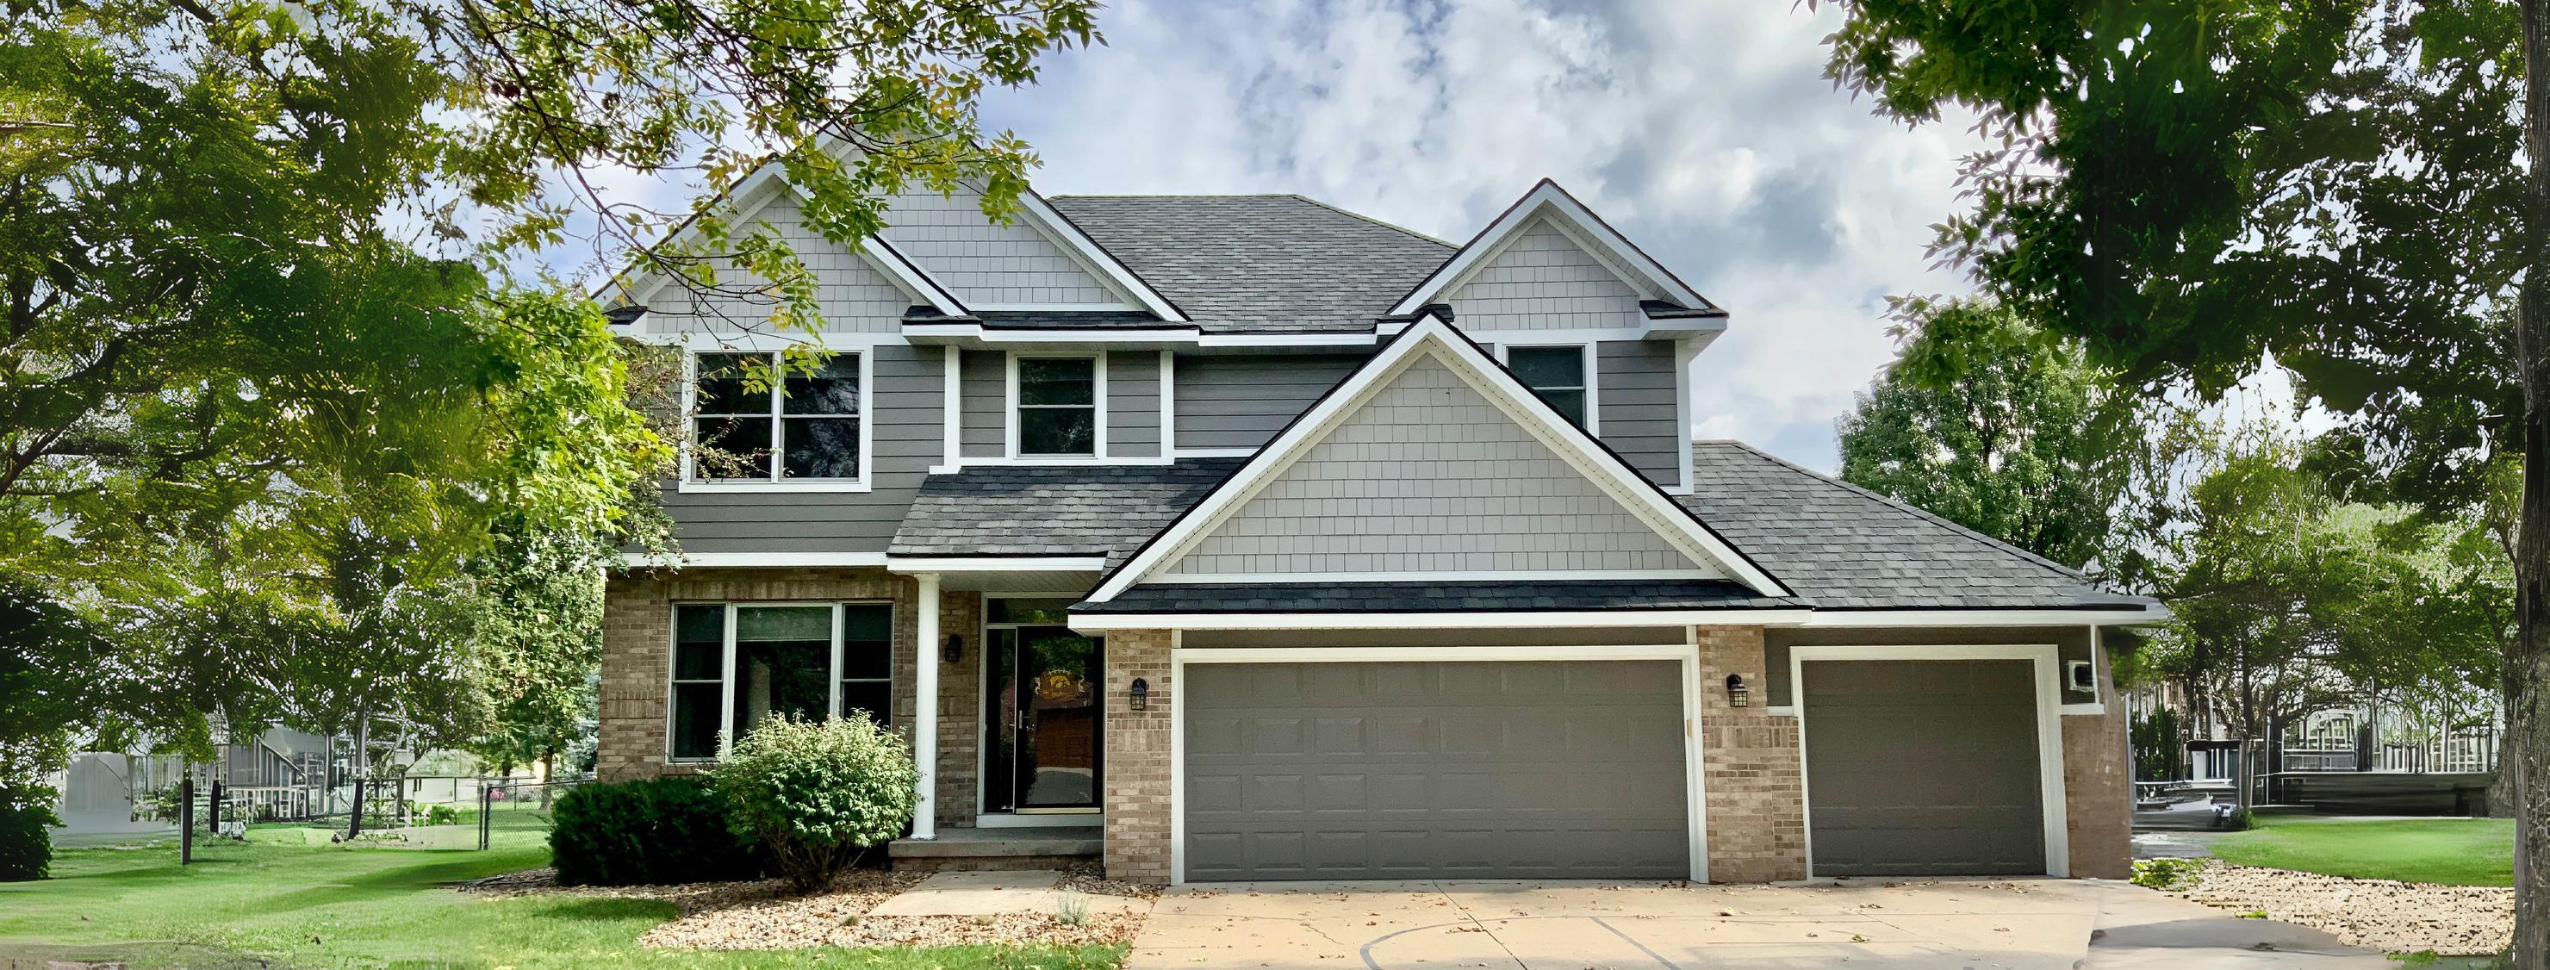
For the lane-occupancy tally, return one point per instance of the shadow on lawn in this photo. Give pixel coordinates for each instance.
(154, 953)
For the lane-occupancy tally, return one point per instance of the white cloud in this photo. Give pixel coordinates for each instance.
(1704, 131)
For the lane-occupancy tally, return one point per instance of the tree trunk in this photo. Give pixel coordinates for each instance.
(2526, 668)
(362, 766)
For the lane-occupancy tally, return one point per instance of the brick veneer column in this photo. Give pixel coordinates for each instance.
(960, 709)
(1137, 772)
(637, 637)
(2098, 788)
(1750, 769)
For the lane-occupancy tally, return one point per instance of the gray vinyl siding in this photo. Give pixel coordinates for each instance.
(1242, 400)
(907, 439)
(1635, 384)
(982, 404)
(985, 263)
(2070, 643)
(852, 295)
(1543, 280)
(1133, 404)
(1430, 476)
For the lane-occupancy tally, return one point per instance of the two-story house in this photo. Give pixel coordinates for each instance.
(1244, 537)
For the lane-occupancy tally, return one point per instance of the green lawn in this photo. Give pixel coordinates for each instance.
(283, 899)
(2449, 851)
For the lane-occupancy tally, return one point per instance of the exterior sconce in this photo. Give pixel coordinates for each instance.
(954, 651)
(1737, 694)
(1141, 694)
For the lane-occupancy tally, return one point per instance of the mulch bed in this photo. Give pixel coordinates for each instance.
(761, 915)
(2379, 914)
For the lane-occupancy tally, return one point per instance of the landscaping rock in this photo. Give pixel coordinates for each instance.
(2381, 914)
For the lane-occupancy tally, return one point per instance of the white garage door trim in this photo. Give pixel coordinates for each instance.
(2049, 727)
(1686, 653)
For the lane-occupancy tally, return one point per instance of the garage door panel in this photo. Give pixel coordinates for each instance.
(1480, 770)
(1924, 767)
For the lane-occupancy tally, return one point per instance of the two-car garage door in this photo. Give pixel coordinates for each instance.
(1486, 769)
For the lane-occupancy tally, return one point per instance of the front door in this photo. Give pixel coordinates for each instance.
(1043, 746)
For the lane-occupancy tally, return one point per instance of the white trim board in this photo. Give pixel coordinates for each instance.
(2045, 662)
(1686, 654)
(1572, 218)
(1634, 493)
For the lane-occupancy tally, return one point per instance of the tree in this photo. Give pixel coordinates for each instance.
(2191, 187)
(1981, 423)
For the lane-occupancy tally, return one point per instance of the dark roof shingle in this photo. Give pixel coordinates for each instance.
(1841, 547)
(1418, 597)
(1260, 263)
(1059, 510)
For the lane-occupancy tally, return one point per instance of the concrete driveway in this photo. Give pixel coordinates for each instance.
(1956, 925)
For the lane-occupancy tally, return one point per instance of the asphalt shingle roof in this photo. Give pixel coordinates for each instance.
(1260, 263)
(1060, 510)
(1841, 547)
(1407, 597)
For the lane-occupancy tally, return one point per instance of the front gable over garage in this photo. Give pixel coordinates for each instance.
(1432, 463)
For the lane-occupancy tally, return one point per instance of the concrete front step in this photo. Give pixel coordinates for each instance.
(997, 849)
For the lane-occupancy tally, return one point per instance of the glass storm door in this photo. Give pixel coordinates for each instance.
(1044, 748)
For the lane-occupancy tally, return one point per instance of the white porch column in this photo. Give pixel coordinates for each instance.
(925, 715)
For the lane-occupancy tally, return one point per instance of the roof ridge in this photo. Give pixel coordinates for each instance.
(1392, 226)
(1996, 544)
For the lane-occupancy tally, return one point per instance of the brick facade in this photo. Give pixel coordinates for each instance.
(1137, 798)
(2098, 789)
(637, 635)
(1749, 768)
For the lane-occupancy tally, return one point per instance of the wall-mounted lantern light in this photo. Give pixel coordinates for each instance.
(1141, 694)
(954, 650)
(1737, 694)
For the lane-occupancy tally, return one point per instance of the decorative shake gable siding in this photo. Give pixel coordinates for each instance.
(1545, 280)
(1430, 476)
(852, 294)
(987, 264)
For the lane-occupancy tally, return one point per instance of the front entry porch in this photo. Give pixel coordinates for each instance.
(954, 849)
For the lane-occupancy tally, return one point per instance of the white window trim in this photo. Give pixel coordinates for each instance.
(1686, 654)
(1098, 404)
(726, 662)
(689, 482)
(2044, 658)
(1593, 381)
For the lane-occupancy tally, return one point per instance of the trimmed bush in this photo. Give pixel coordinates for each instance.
(661, 830)
(817, 794)
(26, 845)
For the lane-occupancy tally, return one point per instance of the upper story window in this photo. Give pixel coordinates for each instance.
(1057, 407)
(756, 421)
(1557, 374)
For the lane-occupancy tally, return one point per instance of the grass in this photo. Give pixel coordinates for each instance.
(2444, 851)
(286, 897)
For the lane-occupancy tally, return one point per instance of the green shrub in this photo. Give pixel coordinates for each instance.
(662, 830)
(2165, 874)
(441, 815)
(26, 845)
(817, 794)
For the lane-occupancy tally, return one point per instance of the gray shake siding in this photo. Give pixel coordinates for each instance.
(1543, 280)
(1133, 404)
(854, 297)
(983, 404)
(1429, 475)
(1242, 400)
(907, 433)
(985, 263)
(1636, 387)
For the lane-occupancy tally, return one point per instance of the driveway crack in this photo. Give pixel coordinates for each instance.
(1474, 921)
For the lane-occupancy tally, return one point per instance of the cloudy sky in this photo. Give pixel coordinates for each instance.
(1703, 130)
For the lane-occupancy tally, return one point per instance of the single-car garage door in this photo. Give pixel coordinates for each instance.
(1923, 767)
(1539, 769)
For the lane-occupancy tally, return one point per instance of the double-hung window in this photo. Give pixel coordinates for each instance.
(1557, 374)
(757, 420)
(735, 664)
(1057, 407)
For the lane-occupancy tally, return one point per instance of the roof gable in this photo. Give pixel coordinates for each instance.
(870, 286)
(1038, 261)
(1454, 436)
(1545, 212)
